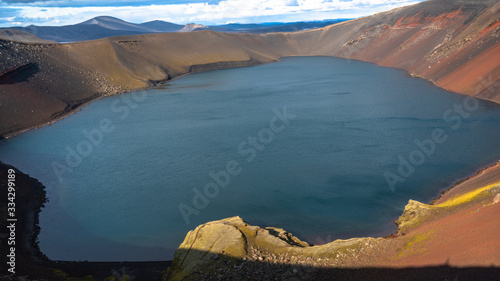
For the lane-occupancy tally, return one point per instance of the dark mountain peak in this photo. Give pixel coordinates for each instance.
(113, 24)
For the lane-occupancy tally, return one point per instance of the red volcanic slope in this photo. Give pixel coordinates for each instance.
(455, 44)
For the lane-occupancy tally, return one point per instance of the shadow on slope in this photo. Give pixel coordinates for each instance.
(228, 268)
(19, 74)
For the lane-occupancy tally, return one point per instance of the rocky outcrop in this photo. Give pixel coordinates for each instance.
(232, 247)
(204, 244)
(416, 213)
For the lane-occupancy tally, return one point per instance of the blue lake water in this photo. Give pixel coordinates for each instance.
(306, 144)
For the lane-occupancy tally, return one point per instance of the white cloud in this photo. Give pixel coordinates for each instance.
(216, 13)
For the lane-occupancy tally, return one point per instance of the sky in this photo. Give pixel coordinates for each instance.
(209, 12)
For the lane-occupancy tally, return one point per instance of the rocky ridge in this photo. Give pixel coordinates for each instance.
(231, 249)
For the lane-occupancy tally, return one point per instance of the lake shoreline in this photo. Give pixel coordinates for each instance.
(31, 261)
(162, 105)
(58, 116)
(40, 258)
(33, 208)
(41, 266)
(494, 167)
(455, 55)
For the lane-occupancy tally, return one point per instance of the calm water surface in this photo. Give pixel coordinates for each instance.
(117, 172)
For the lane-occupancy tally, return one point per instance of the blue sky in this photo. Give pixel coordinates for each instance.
(63, 12)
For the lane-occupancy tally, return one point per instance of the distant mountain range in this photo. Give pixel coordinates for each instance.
(21, 36)
(102, 27)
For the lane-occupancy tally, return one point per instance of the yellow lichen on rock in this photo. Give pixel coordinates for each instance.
(228, 243)
(414, 214)
(205, 243)
(414, 245)
(470, 196)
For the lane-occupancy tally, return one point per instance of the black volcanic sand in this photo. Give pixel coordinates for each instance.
(30, 198)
